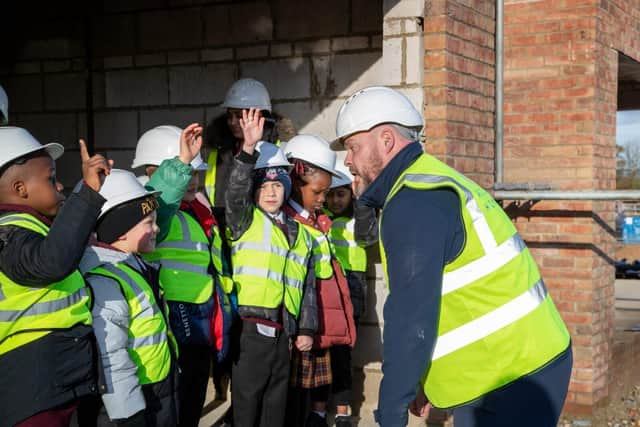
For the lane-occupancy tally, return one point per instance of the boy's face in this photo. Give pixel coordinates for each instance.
(192, 189)
(314, 192)
(43, 191)
(270, 196)
(339, 199)
(142, 237)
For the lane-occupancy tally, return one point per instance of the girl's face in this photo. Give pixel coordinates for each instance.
(339, 199)
(314, 192)
(270, 196)
(192, 189)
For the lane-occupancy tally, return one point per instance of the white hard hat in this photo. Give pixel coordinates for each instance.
(4, 106)
(121, 186)
(143, 179)
(374, 106)
(247, 93)
(16, 142)
(344, 175)
(159, 144)
(314, 150)
(271, 156)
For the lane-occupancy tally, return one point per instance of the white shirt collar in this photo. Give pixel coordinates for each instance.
(302, 211)
(279, 216)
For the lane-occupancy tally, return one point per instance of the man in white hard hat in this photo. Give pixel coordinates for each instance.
(46, 339)
(468, 320)
(4, 107)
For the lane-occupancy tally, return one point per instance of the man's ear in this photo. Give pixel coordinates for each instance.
(388, 139)
(20, 189)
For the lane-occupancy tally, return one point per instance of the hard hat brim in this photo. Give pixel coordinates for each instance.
(53, 149)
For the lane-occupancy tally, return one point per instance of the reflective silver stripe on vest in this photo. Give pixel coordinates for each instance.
(46, 307)
(317, 243)
(348, 225)
(265, 245)
(183, 266)
(187, 241)
(490, 262)
(294, 283)
(154, 339)
(344, 243)
(13, 218)
(491, 322)
(480, 223)
(190, 246)
(147, 309)
(258, 272)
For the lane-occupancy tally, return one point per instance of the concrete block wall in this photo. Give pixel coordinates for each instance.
(171, 62)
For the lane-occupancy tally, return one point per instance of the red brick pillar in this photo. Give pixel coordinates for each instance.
(560, 104)
(459, 85)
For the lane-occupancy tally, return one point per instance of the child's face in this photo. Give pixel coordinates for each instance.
(192, 189)
(233, 121)
(142, 237)
(314, 192)
(42, 189)
(339, 199)
(270, 196)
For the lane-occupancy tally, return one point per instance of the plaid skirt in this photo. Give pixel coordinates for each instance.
(310, 369)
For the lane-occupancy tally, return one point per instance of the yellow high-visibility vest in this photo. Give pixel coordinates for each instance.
(497, 321)
(29, 313)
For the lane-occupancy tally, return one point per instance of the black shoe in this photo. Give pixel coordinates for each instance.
(315, 420)
(343, 421)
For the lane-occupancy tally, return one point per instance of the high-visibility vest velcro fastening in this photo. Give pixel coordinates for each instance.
(266, 270)
(351, 256)
(185, 258)
(29, 313)
(497, 321)
(149, 337)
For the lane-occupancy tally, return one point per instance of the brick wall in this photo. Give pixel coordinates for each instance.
(560, 106)
(459, 85)
(171, 62)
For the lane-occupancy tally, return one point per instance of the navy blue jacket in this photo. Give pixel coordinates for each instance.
(422, 231)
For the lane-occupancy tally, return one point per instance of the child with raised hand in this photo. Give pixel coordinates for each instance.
(46, 339)
(273, 272)
(137, 351)
(190, 254)
(314, 164)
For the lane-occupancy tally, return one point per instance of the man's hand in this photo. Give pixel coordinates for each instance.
(94, 168)
(304, 342)
(252, 124)
(190, 143)
(420, 406)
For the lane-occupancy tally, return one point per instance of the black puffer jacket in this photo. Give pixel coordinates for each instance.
(59, 367)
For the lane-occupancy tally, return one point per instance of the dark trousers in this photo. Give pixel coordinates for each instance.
(259, 378)
(194, 362)
(342, 376)
(535, 400)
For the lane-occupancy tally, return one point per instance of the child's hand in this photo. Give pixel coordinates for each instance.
(252, 125)
(304, 342)
(190, 143)
(94, 169)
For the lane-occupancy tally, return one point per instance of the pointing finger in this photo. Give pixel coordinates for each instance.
(84, 153)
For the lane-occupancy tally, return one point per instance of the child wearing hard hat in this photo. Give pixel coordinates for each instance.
(46, 339)
(193, 271)
(137, 350)
(273, 272)
(353, 228)
(314, 165)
